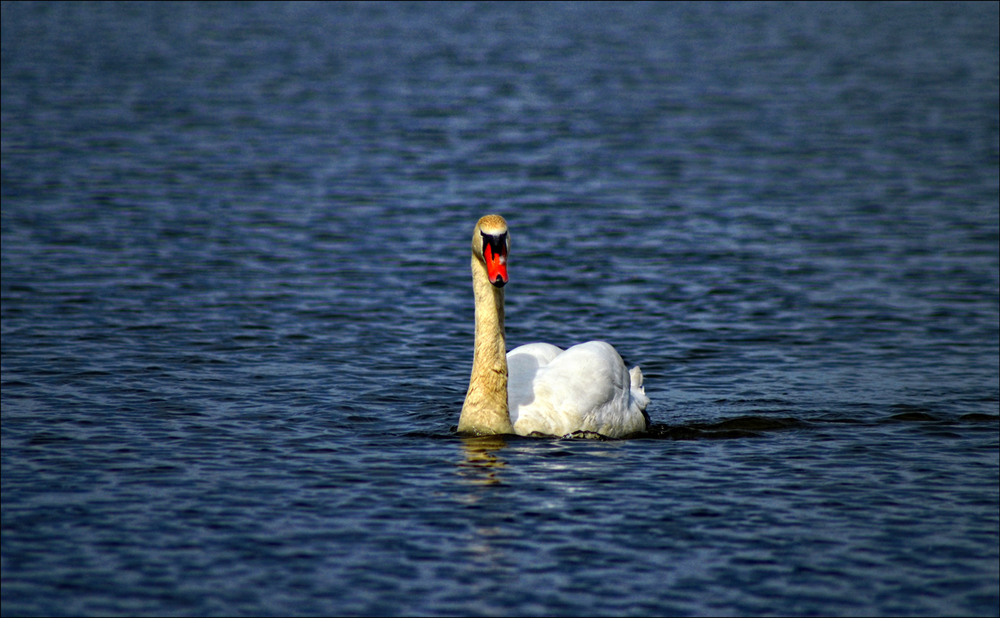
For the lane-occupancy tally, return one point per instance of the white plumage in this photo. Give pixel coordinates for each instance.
(584, 388)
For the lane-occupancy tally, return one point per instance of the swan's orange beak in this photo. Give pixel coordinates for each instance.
(496, 263)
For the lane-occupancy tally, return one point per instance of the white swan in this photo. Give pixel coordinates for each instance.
(538, 387)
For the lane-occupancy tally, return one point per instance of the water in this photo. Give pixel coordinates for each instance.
(237, 313)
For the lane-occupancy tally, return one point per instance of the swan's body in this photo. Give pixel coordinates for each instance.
(539, 388)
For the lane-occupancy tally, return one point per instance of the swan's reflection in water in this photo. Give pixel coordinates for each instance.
(479, 470)
(481, 464)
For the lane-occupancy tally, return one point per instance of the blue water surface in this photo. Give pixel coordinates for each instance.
(237, 313)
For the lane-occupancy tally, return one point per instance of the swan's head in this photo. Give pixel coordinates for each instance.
(490, 244)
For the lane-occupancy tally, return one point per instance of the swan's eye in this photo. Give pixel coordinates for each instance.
(496, 242)
(495, 256)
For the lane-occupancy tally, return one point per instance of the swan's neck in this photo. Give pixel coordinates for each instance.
(485, 409)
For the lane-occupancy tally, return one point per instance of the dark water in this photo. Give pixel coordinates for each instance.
(237, 314)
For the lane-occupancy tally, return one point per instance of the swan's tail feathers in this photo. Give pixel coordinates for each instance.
(638, 392)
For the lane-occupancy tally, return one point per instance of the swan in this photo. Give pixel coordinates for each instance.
(538, 387)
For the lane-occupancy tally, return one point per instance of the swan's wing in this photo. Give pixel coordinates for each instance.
(523, 364)
(542, 352)
(585, 388)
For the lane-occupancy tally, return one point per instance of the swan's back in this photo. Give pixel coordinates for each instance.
(584, 388)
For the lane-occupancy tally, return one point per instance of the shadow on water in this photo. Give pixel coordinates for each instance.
(740, 427)
(758, 426)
